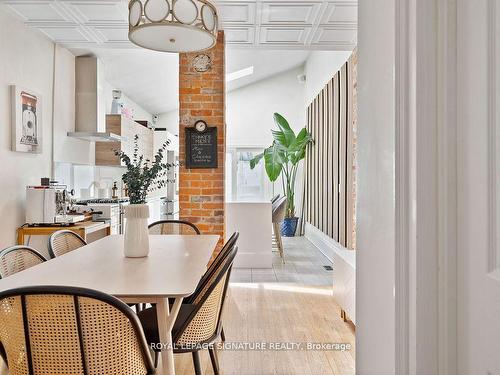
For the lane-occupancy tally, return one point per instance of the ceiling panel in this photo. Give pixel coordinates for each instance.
(340, 14)
(98, 11)
(33, 11)
(240, 35)
(66, 34)
(237, 12)
(112, 33)
(289, 13)
(288, 24)
(333, 36)
(273, 35)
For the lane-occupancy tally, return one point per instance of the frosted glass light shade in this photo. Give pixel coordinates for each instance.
(173, 25)
(185, 11)
(208, 17)
(135, 12)
(156, 10)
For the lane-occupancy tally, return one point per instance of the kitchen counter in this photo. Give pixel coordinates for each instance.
(88, 230)
(253, 220)
(247, 200)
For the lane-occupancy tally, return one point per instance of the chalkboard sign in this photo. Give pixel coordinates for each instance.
(201, 148)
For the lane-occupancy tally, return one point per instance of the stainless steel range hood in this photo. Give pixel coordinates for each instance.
(90, 102)
(95, 136)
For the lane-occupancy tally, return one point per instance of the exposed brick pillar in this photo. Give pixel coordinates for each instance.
(202, 97)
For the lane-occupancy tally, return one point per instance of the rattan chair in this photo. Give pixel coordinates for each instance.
(173, 227)
(273, 201)
(275, 198)
(278, 216)
(223, 253)
(198, 322)
(18, 258)
(221, 256)
(48, 330)
(64, 241)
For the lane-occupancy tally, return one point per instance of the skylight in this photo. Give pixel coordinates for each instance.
(239, 74)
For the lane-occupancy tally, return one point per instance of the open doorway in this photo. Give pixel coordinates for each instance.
(316, 272)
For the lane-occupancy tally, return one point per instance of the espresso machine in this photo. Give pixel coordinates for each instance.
(49, 204)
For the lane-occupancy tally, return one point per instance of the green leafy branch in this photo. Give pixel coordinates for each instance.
(144, 175)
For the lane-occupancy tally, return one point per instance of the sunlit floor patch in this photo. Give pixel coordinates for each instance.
(282, 287)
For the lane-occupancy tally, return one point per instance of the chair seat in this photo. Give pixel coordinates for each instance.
(150, 323)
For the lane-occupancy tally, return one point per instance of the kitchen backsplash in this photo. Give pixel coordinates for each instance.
(85, 177)
(86, 180)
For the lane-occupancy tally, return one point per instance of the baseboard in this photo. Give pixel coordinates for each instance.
(328, 246)
(344, 269)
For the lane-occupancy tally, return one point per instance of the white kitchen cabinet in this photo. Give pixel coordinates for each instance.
(127, 129)
(154, 205)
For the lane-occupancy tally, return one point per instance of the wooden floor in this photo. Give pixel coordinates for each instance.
(292, 303)
(271, 312)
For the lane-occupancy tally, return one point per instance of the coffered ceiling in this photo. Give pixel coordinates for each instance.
(276, 24)
(270, 36)
(325, 25)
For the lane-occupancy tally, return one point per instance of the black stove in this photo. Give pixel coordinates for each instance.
(103, 200)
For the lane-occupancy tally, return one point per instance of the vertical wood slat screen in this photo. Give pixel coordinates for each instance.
(329, 166)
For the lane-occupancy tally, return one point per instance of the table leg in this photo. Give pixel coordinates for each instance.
(82, 233)
(20, 236)
(166, 320)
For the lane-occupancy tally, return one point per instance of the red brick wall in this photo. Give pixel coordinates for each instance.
(202, 97)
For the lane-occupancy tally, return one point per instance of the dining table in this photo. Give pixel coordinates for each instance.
(172, 269)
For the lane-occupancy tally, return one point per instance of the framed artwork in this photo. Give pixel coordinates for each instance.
(26, 118)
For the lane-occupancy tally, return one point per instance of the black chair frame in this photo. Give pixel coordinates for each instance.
(83, 292)
(183, 222)
(275, 198)
(213, 267)
(226, 270)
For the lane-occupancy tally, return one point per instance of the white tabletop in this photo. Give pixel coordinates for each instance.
(173, 268)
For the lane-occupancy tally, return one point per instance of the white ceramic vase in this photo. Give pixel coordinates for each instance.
(136, 241)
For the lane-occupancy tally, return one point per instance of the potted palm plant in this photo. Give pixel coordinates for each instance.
(142, 177)
(282, 158)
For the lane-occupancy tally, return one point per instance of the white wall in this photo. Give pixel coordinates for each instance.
(160, 137)
(74, 159)
(27, 59)
(249, 115)
(71, 150)
(319, 68)
(169, 120)
(139, 112)
(249, 110)
(375, 305)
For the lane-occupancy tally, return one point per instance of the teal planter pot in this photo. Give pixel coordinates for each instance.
(289, 226)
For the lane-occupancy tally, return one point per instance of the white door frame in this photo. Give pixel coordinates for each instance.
(426, 194)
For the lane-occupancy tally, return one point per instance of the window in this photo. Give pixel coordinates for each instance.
(243, 183)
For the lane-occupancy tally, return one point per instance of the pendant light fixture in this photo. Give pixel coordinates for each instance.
(173, 25)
